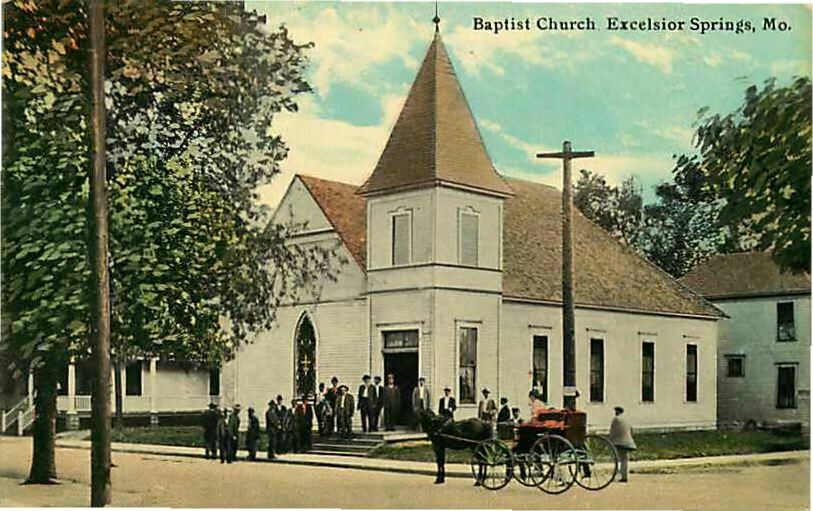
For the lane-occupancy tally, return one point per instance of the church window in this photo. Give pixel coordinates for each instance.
(597, 370)
(691, 373)
(467, 367)
(786, 386)
(132, 377)
(648, 371)
(785, 330)
(401, 238)
(735, 366)
(540, 365)
(469, 238)
(396, 339)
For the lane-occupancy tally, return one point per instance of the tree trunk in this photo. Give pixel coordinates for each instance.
(43, 462)
(100, 432)
(119, 392)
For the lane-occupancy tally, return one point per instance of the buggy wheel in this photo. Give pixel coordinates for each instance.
(492, 464)
(597, 463)
(554, 464)
(524, 470)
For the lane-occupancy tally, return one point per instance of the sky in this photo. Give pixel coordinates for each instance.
(632, 97)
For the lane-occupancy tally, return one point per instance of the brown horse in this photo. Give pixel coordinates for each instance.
(450, 434)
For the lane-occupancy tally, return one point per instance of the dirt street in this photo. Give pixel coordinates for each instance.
(146, 480)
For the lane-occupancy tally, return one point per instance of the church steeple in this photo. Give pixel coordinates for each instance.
(435, 139)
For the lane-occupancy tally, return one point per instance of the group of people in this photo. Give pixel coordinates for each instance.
(221, 429)
(336, 406)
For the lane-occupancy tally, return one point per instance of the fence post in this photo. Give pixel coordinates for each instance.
(20, 426)
(2, 421)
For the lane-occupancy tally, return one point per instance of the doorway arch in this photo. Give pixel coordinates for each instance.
(305, 357)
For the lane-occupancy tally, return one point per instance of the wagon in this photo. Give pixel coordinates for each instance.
(552, 451)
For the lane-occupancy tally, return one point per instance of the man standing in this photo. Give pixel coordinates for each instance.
(379, 399)
(234, 434)
(252, 434)
(487, 409)
(447, 405)
(391, 402)
(288, 427)
(344, 412)
(272, 428)
(421, 400)
(331, 395)
(366, 400)
(320, 409)
(223, 435)
(210, 419)
(621, 437)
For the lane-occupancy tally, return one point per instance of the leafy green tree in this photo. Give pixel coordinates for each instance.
(195, 264)
(618, 209)
(757, 160)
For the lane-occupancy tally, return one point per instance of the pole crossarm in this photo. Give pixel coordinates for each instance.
(567, 155)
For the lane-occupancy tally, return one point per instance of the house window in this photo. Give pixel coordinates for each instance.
(540, 364)
(597, 370)
(735, 366)
(395, 339)
(786, 386)
(467, 366)
(401, 238)
(133, 379)
(648, 371)
(691, 373)
(214, 381)
(785, 330)
(469, 238)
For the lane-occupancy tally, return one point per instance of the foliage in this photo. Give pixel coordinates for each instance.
(758, 161)
(192, 92)
(618, 209)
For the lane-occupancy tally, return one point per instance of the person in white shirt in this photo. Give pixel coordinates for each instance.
(447, 405)
(621, 437)
(421, 400)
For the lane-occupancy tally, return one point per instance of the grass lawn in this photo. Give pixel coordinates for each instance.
(651, 446)
(186, 436)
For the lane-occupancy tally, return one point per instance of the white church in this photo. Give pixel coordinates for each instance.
(453, 273)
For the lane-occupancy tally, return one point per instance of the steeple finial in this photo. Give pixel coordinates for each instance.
(436, 19)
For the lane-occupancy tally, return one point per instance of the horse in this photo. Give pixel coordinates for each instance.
(450, 434)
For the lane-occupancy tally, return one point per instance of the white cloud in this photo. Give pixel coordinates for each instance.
(790, 68)
(329, 148)
(657, 56)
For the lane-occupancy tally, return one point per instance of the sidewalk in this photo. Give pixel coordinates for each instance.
(452, 469)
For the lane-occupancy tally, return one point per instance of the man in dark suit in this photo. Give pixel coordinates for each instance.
(391, 402)
(379, 400)
(210, 419)
(331, 395)
(234, 434)
(447, 405)
(252, 434)
(344, 412)
(366, 402)
(223, 435)
(272, 428)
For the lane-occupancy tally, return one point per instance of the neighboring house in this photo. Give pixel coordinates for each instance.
(764, 343)
(454, 274)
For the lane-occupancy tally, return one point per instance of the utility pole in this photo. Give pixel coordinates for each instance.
(568, 307)
(100, 483)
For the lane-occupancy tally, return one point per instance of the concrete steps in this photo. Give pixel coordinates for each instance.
(360, 444)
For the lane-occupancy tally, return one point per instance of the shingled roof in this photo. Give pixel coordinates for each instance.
(607, 273)
(435, 139)
(744, 274)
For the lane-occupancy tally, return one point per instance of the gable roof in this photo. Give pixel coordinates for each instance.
(607, 273)
(345, 210)
(435, 139)
(744, 274)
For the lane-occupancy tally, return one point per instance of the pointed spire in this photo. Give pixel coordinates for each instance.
(435, 139)
(436, 19)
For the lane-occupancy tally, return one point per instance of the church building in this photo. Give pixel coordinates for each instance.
(453, 273)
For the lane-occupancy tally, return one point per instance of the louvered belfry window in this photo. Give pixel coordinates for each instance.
(401, 238)
(469, 238)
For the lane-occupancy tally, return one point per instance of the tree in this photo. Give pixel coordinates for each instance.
(619, 210)
(192, 92)
(757, 160)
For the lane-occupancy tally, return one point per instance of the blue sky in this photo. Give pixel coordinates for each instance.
(632, 97)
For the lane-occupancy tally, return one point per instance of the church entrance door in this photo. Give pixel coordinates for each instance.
(404, 366)
(305, 358)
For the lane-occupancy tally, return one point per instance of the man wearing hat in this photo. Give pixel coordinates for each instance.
(378, 404)
(331, 395)
(391, 401)
(447, 405)
(344, 412)
(252, 434)
(234, 432)
(272, 428)
(210, 431)
(621, 437)
(487, 409)
(366, 400)
(223, 435)
(421, 400)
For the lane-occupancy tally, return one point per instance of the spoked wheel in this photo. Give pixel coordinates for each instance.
(554, 464)
(524, 470)
(597, 463)
(492, 464)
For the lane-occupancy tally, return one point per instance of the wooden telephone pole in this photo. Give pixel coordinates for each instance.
(568, 306)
